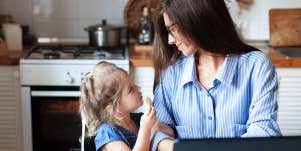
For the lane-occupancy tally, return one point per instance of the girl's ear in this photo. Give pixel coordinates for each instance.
(109, 109)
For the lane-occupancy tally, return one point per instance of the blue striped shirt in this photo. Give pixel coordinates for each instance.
(241, 103)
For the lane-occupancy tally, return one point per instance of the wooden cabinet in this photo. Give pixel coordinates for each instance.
(10, 108)
(289, 101)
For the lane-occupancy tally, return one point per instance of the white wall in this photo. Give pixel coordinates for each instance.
(254, 22)
(67, 18)
(63, 18)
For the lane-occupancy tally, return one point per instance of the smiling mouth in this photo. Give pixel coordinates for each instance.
(178, 45)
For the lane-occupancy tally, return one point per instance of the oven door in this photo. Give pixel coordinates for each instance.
(55, 120)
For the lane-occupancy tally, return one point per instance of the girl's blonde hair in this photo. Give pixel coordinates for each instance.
(100, 88)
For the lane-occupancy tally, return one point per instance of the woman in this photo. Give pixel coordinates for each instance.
(208, 83)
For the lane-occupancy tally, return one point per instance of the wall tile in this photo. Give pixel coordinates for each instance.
(101, 9)
(256, 19)
(69, 17)
(8, 7)
(55, 28)
(24, 9)
(55, 9)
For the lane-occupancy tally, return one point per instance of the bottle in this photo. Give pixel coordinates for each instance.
(145, 36)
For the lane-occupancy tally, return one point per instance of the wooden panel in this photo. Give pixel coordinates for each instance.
(143, 48)
(285, 27)
(140, 58)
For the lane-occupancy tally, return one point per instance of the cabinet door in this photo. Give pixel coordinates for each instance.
(10, 121)
(289, 101)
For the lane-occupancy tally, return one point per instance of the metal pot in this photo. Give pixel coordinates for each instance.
(104, 35)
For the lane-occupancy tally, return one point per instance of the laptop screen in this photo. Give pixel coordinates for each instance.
(287, 143)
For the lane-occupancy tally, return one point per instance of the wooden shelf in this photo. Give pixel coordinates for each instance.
(143, 48)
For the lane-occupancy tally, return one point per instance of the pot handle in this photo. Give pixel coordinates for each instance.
(86, 29)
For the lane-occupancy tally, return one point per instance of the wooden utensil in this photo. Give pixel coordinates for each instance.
(285, 27)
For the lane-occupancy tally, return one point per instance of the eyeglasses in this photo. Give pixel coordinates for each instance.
(171, 29)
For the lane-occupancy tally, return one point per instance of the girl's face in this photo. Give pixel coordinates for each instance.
(175, 37)
(131, 98)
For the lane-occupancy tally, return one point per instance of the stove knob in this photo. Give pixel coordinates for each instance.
(69, 79)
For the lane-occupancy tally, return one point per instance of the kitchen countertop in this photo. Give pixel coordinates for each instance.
(278, 59)
(10, 57)
(144, 58)
(141, 57)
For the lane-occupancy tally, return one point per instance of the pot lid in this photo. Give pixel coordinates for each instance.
(103, 26)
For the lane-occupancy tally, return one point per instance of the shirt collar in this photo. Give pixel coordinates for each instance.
(189, 74)
(228, 70)
(226, 74)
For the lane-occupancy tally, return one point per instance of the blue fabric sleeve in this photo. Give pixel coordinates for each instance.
(105, 134)
(263, 110)
(158, 136)
(164, 115)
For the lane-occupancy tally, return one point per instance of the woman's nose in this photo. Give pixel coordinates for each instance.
(171, 39)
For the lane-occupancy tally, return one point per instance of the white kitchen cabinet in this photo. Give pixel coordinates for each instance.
(143, 76)
(289, 101)
(10, 121)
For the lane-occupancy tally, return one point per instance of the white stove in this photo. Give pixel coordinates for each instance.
(65, 65)
(50, 77)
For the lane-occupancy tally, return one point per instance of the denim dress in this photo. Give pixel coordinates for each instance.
(109, 133)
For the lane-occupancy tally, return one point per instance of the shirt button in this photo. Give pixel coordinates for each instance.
(209, 117)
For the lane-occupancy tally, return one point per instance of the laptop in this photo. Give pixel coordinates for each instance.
(285, 143)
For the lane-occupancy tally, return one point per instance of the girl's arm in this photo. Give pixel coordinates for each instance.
(160, 126)
(147, 122)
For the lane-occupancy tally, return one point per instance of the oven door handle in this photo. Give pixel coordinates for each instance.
(55, 93)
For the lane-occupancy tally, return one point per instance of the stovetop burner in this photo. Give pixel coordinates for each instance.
(54, 52)
(51, 55)
(100, 55)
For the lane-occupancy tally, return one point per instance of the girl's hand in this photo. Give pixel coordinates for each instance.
(149, 118)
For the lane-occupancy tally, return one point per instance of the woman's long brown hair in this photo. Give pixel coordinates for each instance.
(208, 24)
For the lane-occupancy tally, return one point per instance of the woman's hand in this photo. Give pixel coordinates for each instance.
(148, 119)
(165, 129)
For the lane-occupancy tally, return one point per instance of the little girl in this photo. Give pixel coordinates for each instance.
(108, 98)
